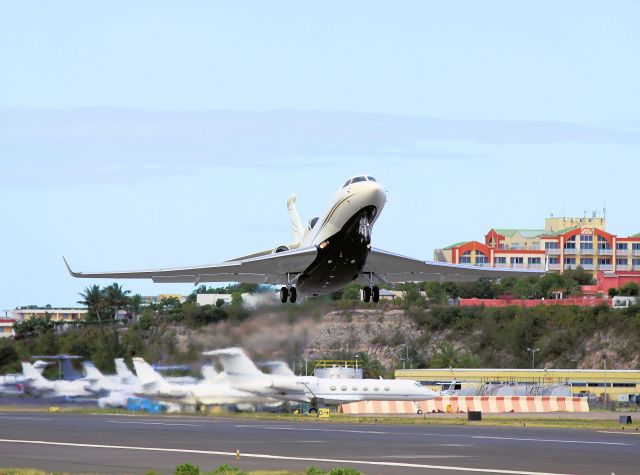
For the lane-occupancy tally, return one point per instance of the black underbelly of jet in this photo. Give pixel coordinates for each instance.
(343, 258)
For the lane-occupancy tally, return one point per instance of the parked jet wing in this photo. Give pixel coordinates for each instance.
(389, 267)
(260, 269)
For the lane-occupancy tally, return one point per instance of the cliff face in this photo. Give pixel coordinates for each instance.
(385, 334)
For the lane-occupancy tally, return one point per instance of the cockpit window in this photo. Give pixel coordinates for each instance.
(359, 178)
(312, 223)
(346, 183)
(370, 178)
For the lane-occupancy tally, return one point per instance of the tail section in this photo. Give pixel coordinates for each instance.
(235, 361)
(31, 374)
(91, 371)
(209, 373)
(69, 373)
(146, 374)
(123, 371)
(279, 368)
(296, 223)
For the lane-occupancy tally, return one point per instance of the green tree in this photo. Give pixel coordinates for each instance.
(93, 299)
(115, 298)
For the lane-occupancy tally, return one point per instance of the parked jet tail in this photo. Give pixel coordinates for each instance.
(123, 370)
(279, 368)
(91, 371)
(235, 361)
(146, 374)
(209, 373)
(32, 374)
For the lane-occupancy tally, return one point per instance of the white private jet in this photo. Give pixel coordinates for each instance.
(329, 253)
(203, 392)
(38, 385)
(241, 373)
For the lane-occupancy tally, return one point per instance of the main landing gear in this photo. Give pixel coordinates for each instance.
(290, 294)
(371, 291)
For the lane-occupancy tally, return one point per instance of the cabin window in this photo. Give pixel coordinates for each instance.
(376, 388)
(344, 388)
(387, 388)
(366, 388)
(355, 388)
(333, 388)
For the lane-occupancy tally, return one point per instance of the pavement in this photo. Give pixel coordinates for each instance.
(88, 443)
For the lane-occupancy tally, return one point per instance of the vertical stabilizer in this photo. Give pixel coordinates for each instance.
(146, 374)
(32, 374)
(209, 373)
(123, 371)
(235, 361)
(91, 371)
(296, 224)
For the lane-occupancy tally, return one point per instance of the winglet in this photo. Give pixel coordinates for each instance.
(73, 274)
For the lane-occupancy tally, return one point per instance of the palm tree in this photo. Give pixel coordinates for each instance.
(93, 298)
(116, 297)
(445, 356)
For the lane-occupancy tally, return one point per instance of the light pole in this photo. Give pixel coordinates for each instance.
(533, 356)
(356, 372)
(604, 357)
(404, 360)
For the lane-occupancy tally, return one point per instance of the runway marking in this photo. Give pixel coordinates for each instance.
(26, 418)
(280, 457)
(559, 441)
(618, 432)
(156, 423)
(523, 439)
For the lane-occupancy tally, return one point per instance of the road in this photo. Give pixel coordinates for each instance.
(136, 444)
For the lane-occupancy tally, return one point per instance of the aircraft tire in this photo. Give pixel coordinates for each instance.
(419, 412)
(375, 293)
(284, 294)
(366, 294)
(293, 295)
(313, 410)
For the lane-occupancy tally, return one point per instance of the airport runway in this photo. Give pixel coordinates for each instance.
(136, 444)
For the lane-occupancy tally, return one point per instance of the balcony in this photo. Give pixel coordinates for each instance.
(636, 267)
(605, 252)
(557, 266)
(571, 266)
(587, 266)
(635, 252)
(622, 252)
(605, 267)
(587, 252)
(570, 251)
(553, 252)
(622, 267)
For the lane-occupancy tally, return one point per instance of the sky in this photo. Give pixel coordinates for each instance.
(158, 133)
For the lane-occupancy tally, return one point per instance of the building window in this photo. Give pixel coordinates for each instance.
(569, 261)
(603, 243)
(481, 258)
(586, 238)
(635, 262)
(635, 246)
(534, 260)
(517, 260)
(554, 260)
(500, 260)
(552, 245)
(586, 246)
(604, 261)
(622, 262)
(570, 243)
(587, 261)
(466, 258)
(621, 246)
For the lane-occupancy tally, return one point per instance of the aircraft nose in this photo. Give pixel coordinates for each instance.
(378, 195)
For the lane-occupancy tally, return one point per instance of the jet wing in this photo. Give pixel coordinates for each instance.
(394, 268)
(254, 269)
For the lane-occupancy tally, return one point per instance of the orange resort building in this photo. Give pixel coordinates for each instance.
(567, 243)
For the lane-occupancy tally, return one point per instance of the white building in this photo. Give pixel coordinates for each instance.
(6, 327)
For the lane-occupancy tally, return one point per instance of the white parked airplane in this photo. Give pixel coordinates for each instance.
(203, 392)
(38, 385)
(329, 253)
(241, 373)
